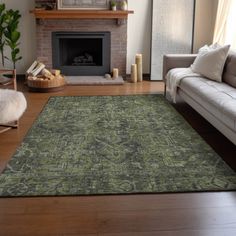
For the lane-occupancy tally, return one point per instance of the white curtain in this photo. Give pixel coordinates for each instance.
(225, 30)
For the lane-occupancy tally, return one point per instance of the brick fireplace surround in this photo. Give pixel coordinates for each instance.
(45, 28)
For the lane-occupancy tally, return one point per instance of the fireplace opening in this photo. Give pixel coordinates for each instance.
(79, 53)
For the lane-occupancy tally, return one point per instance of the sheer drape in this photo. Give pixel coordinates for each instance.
(225, 30)
(230, 35)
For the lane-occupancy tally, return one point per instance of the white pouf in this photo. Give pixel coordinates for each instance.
(12, 105)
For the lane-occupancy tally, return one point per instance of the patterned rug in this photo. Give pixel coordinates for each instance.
(113, 145)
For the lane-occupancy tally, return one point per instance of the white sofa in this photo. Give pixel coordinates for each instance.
(215, 101)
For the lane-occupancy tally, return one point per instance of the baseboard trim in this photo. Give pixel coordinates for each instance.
(145, 77)
(20, 77)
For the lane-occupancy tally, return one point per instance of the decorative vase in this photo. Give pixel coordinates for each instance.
(124, 6)
(113, 8)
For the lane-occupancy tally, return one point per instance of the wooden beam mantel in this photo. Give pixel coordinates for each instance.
(80, 14)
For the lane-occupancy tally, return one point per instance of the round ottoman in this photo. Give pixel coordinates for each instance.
(12, 105)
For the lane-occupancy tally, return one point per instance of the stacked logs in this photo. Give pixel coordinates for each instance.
(41, 79)
(37, 71)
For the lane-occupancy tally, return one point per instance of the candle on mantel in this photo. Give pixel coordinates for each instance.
(115, 73)
(133, 73)
(139, 62)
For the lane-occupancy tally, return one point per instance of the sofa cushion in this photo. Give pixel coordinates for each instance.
(218, 98)
(210, 62)
(229, 75)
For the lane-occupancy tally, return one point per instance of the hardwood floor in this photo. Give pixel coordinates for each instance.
(142, 215)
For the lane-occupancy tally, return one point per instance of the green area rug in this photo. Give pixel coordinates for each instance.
(113, 145)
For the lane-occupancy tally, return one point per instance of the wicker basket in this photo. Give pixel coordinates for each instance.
(46, 85)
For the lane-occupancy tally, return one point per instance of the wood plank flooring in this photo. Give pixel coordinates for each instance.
(207, 214)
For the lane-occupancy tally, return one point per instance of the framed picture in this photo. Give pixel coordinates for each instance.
(82, 4)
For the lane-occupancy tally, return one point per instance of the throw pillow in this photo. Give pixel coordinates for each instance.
(210, 62)
(229, 75)
(208, 48)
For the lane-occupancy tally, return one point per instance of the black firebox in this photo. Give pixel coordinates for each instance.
(81, 53)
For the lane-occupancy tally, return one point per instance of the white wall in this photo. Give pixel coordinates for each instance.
(139, 32)
(27, 29)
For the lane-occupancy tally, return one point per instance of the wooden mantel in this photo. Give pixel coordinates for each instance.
(80, 14)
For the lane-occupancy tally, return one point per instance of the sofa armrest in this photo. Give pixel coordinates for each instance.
(171, 61)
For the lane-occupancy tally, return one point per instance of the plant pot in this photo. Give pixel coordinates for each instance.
(113, 8)
(124, 6)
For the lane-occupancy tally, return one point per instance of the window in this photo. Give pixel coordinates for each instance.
(225, 30)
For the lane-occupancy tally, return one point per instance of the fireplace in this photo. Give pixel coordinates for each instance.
(47, 28)
(81, 53)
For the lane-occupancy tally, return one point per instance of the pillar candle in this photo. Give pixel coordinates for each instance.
(139, 62)
(115, 73)
(133, 73)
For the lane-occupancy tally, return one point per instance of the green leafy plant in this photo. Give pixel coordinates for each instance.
(2, 29)
(113, 3)
(123, 3)
(12, 35)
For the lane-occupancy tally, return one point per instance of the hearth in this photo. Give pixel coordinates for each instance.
(81, 53)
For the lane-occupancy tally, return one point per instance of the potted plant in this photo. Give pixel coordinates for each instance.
(124, 6)
(9, 34)
(12, 35)
(113, 5)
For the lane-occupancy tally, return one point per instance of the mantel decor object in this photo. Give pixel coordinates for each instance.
(83, 4)
(124, 5)
(113, 5)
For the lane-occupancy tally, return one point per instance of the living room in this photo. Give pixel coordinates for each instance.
(117, 117)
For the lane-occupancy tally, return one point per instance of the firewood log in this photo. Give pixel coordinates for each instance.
(55, 72)
(37, 69)
(47, 74)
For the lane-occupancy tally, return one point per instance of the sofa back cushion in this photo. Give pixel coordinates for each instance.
(229, 75)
